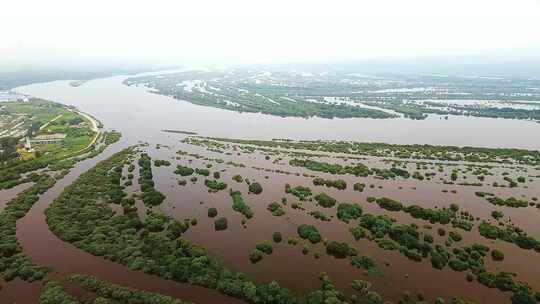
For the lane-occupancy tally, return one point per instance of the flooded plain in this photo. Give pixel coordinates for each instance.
(141, 116)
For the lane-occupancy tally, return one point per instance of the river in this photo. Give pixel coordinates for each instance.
(140, 114)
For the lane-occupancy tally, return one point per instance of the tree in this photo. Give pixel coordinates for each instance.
(338, 250)
(212, 212)
(309, 232)
(255, 256)
(276, 236)
(220, 224)
(497, 255)
(325, 200)
(255, 188)
(522, 297)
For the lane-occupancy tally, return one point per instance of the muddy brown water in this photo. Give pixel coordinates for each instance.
(233, 245)
(140, 116)
(44, 248)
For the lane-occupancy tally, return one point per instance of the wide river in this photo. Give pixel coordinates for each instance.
(140, 114)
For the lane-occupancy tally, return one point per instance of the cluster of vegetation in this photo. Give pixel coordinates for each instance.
(11, 176)
(390, 173)
(452, 109)
(54, 293)
(202, 171)
(509, 234)
(309, 232)
(320, 215)
(424, 152)
(256, 255)
(347, 212)
(183, 171)
(359, 187)
(327, 294)
(215, 185)
(120, 294)
(175, 228)
(325, 200)
(497, 255)
(301, 192)
(406, 239)
(356, 170)
(361, 261)
(339, 250)
(442, 216)
(389, 204)
(220, 223)
(509, 202)
(498, 215)
(261, 248)
(112, 137)
(8, 148)
(276, 209)
(239, 205)
(161, 162)
(238, 178)
(255, 188)
(150, 196)
(338, 183)
(212, 212)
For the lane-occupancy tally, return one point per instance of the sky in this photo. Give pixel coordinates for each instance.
(71, 32)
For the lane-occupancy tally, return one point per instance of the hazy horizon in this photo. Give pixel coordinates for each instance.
(63, 33)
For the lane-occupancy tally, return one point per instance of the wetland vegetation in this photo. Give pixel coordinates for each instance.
(340, 94)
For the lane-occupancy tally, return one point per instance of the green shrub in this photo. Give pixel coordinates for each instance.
(497, 255)
(338, 250)
(346, 212)
(276, 209)
(212, 212)
(255, 188)
(265, 247)
(220, 224)
(310, 233)
(255, 256)
(204, 172)
(184, 171)
(325, 200)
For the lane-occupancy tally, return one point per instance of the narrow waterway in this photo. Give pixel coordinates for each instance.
(44, 248)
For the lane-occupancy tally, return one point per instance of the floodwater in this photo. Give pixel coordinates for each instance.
(299, 272)
(141, 116)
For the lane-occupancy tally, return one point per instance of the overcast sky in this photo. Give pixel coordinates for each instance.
(255, 31)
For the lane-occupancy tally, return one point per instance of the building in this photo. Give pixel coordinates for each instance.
(48, 139)
(27, 145)
(26, 152)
